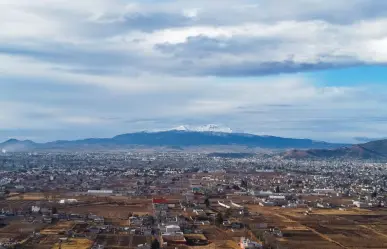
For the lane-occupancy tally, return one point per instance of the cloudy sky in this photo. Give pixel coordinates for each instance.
(97, 68)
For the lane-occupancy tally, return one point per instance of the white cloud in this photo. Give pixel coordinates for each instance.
(292, 106)
(301, 32)
(136, 65)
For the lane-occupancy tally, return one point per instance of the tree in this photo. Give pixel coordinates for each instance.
(235, 187)
(207, 202)
(228, 213)
(152, 220)
(155, 244)
(244, 183)
(219, 219)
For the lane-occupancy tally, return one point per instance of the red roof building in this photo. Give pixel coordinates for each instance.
(159, 201)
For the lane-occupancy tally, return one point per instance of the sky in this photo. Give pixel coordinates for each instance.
(97, 68)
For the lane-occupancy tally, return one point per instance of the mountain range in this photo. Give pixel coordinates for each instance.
(184, 137)
(204, 128)
(177, 138)
(370, 150)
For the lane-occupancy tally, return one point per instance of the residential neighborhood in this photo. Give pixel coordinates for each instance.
(134, 200)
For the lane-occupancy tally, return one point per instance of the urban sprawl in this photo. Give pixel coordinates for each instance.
(174, 200)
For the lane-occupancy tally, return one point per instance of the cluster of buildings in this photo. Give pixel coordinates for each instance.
(194, 198)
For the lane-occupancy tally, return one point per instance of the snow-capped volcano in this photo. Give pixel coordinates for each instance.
(203, 128)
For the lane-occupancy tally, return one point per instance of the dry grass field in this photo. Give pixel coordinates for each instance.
(326, 228)
(17, 204)
(43, 242)
(213, 233)
(29, 197)
(110, 211)
(74, 244)
(195, 236)
(5, 237)
(220, 238)
(21, 227)
(58, 228)
(225, 244)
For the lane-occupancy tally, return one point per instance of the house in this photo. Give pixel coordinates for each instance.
(94, 230)
(172, 229)
(360, 204)
(160, 204)
(174, 239)
(266, 203)
(47, 220)
(199, 212)
(99, 220)
(248, 244)
(135, 221)
(68, 201)
(237, 225)
(45, 210)
(35, 209)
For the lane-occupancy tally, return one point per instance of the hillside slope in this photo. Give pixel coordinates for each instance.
(175, 139)
(370, 150)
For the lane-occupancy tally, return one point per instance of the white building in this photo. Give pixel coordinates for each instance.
(248, 244)
(35, 209)
(360, 204)
(236, 205)
(277, 197)
(171, 229)
(68, 201)
(266, 203)
(100, 192)
(224, 205)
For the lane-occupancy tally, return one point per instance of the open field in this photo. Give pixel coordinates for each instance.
(379, 228)
(82, 197)
(20, 227)
(110, 211)
(17, 204)
(122, 241)
(326, 228)
(195, 236)
(74, 244)
(301, 239)
(213, 233)
(43, 242)
(58, 228)
(18, 231)
(29, 197)
(225, 244)
(5, 237)
(301, 228)
(220, 238)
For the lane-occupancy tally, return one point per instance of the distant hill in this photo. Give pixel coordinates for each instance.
(370, 150)
(17, 145)
(175, 139)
